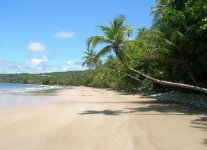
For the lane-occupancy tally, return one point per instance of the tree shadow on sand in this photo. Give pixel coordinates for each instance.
(147, 106)
(162, 108)
(200, 123)
(205, 141)
(104, 112)
(153, 107)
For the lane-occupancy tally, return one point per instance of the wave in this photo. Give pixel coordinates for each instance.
(8, 91)
(43, 87)
(26, 88)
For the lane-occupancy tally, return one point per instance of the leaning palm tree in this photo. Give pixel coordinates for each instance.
(115, 37)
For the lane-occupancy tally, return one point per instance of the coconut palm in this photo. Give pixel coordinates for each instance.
(115, 37)
(89, 58)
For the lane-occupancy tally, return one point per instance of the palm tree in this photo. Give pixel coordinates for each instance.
(115, 37)
(89, 58)
(89, 61)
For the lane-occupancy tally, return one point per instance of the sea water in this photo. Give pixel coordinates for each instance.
(14, 94)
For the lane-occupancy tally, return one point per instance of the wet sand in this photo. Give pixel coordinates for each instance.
(97, 119)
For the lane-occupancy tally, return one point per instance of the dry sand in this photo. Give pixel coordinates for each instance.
(98, 119)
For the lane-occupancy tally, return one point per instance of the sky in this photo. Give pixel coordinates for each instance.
(38, 36)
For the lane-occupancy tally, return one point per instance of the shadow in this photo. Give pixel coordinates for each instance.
(86, 95)
(205, 141)
(107, 102)
(154, 101)
(202, 120)
(151, 106)
(200, 123)
(120, 112)
(125, 93)
(163, 108)
(155, 108)
(104, 112)
(156, 114)
(148, 106)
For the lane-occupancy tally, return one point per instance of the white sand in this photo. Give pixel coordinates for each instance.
(97, 119)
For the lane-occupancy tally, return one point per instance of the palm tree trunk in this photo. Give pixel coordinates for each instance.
(192, 78)
(121, 73)
(168, 83)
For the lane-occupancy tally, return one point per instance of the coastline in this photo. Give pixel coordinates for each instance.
(85, 118)
(13, 100)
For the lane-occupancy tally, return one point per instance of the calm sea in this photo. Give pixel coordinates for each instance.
(12, 94)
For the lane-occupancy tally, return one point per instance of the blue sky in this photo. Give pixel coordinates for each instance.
(50, 35)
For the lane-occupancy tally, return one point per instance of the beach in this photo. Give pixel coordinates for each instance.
(85, 118)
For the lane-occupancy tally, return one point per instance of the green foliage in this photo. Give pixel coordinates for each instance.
(113, 36)
(174, 49)
(183, 23)
(60, 78)
(89, 59)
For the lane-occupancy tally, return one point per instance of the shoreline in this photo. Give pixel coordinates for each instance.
(9, 101)
(84, 118)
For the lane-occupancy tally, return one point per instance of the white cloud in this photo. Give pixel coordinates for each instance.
(70, 62)
(38, 65)
(39, 61)
(36, 46)
(64, 34)
(14, 67)
(72, 65)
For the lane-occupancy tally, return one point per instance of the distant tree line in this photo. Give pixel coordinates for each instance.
(59, 78)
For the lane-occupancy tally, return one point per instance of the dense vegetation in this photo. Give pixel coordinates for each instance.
(174, 49)
(172, 52)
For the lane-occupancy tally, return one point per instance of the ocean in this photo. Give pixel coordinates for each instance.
(14, 94)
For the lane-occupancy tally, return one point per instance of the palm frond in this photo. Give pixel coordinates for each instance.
(104, 28)
(89, 58)
(128, 30)
(102, 52)
(95, 40)
(114, 36)
(124, 57)
(117, 25)
(178, 36)
(84, 63)
(118, 21)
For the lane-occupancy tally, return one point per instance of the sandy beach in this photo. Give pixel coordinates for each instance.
(100, 119)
